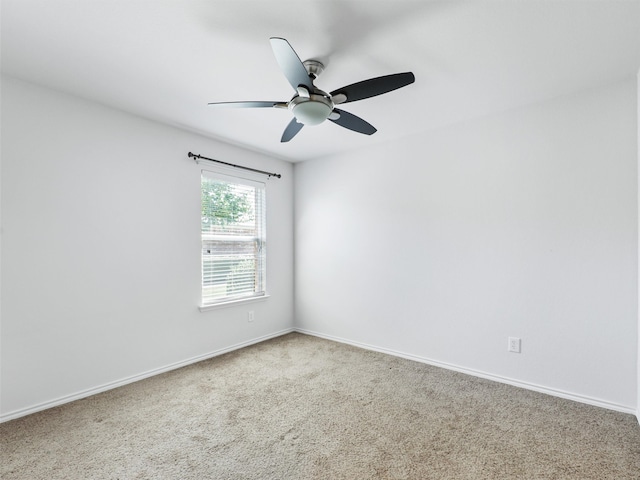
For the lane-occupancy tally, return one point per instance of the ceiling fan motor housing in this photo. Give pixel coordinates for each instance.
(311, 110)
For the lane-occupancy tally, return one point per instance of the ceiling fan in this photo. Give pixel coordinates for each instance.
(312, 106)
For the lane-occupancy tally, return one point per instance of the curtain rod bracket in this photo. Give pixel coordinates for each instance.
(269, 174)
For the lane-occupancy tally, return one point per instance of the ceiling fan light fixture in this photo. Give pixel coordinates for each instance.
(311, 111)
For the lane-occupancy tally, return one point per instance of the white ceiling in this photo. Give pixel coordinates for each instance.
(166, 59)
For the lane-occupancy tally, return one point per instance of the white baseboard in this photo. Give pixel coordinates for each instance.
(134, 378)
(476, 373)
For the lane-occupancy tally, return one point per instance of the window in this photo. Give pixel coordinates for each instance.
(233, 238)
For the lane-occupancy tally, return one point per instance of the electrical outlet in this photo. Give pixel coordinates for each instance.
(250, 316)
(514, 344)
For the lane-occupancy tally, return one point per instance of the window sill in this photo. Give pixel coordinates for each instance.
(231, 303)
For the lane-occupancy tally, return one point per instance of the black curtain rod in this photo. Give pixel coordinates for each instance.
(193, 155)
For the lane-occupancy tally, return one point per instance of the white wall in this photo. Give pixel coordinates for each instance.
(522, 224)
(440, 246)
(101, 249)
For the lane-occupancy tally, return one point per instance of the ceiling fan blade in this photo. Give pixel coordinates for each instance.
(290, 64)
(372, 87)
(292, 129)
(249, 104)
(352, 122)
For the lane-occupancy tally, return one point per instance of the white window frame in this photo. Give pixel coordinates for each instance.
(260, 239)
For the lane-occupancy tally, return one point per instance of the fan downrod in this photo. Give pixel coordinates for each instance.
(314, 68)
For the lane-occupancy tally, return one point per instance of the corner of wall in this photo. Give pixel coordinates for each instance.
(638, 280)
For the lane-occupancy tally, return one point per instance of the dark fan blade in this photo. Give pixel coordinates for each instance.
(249, 104)
(292, 129)
(350, 121)
(290, 64)
(374, 86)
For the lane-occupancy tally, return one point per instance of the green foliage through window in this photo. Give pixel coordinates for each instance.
(223, 205)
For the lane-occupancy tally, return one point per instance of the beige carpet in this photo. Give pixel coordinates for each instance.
(299, 407)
